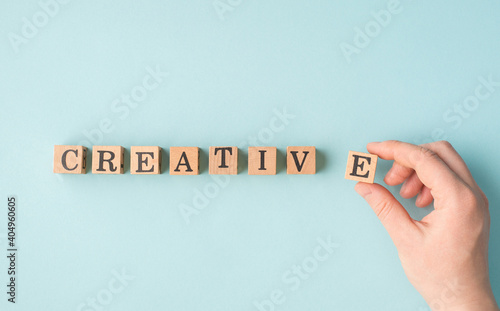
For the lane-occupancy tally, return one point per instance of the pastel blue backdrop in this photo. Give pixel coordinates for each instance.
(344, 72)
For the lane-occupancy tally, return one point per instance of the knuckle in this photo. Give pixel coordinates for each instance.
(446, 145)
(469, 199)
(426, 154)
(383, 210)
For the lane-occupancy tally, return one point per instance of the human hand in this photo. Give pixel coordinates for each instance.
(445, 255)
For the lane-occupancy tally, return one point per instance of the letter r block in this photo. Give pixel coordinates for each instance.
(361, 166)
(184, 160)
(107, 159)
(145, 160)
(301, 160)
(223, 161)
(70, 159)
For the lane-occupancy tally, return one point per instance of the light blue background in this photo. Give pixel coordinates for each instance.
(225, 79)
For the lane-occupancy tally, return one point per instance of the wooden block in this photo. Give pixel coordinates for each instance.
(301, 160)
(145, 160)
(184, 160)
(107, 159)
(70, 159)
(361, 166)
(223, 161)
(261, 160)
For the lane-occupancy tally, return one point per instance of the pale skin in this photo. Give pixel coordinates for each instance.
(445, 255)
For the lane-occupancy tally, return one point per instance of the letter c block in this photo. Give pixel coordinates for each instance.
(70, 159)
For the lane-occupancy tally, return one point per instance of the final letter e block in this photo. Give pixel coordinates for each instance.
(145, 160)
(70, 159)
(361, 166)
(301, 160)
(107, 160)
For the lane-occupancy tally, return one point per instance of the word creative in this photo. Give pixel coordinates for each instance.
(144, 160)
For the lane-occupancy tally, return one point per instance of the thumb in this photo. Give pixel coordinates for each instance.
(391, 213)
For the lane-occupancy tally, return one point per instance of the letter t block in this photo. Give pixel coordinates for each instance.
(361, 166)
(223, 161)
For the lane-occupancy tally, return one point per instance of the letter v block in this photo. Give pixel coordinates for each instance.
(184, 161)
(223, 161)
(145, 160)
(70, 159)
(361, 166)
(301, 160)
(107, 159)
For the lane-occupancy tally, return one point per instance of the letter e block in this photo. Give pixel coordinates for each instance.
(361, 166)
(184, 160)
(261, 160)
(223, 161)
(107, 159)
(301, 160)
(145, 160)
(70, 159)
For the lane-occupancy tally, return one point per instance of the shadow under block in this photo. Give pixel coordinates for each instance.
(301, 160)
(107, 159)
(223, 161)
(145, 160)
(261, 160)
(361, 166)
(184, 160)
(70, 159)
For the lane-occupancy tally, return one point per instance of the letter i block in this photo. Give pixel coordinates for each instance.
(223, 161)
(361, 166)
(107, 159)
(145, 160)
(70, 159)
(301, 160)
(184, 160)
(261, 160)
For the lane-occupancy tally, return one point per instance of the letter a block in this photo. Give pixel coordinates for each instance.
(70, 159)
(261, 160)
(361, 166)
(184, 161)
(107, 159)
(145, 160)
(223, 161)
(301, 160)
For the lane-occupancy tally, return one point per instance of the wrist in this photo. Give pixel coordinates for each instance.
(456, 297)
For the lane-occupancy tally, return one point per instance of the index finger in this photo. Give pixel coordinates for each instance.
(430, 169)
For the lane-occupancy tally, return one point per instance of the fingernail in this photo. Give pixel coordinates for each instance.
(362, 190)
